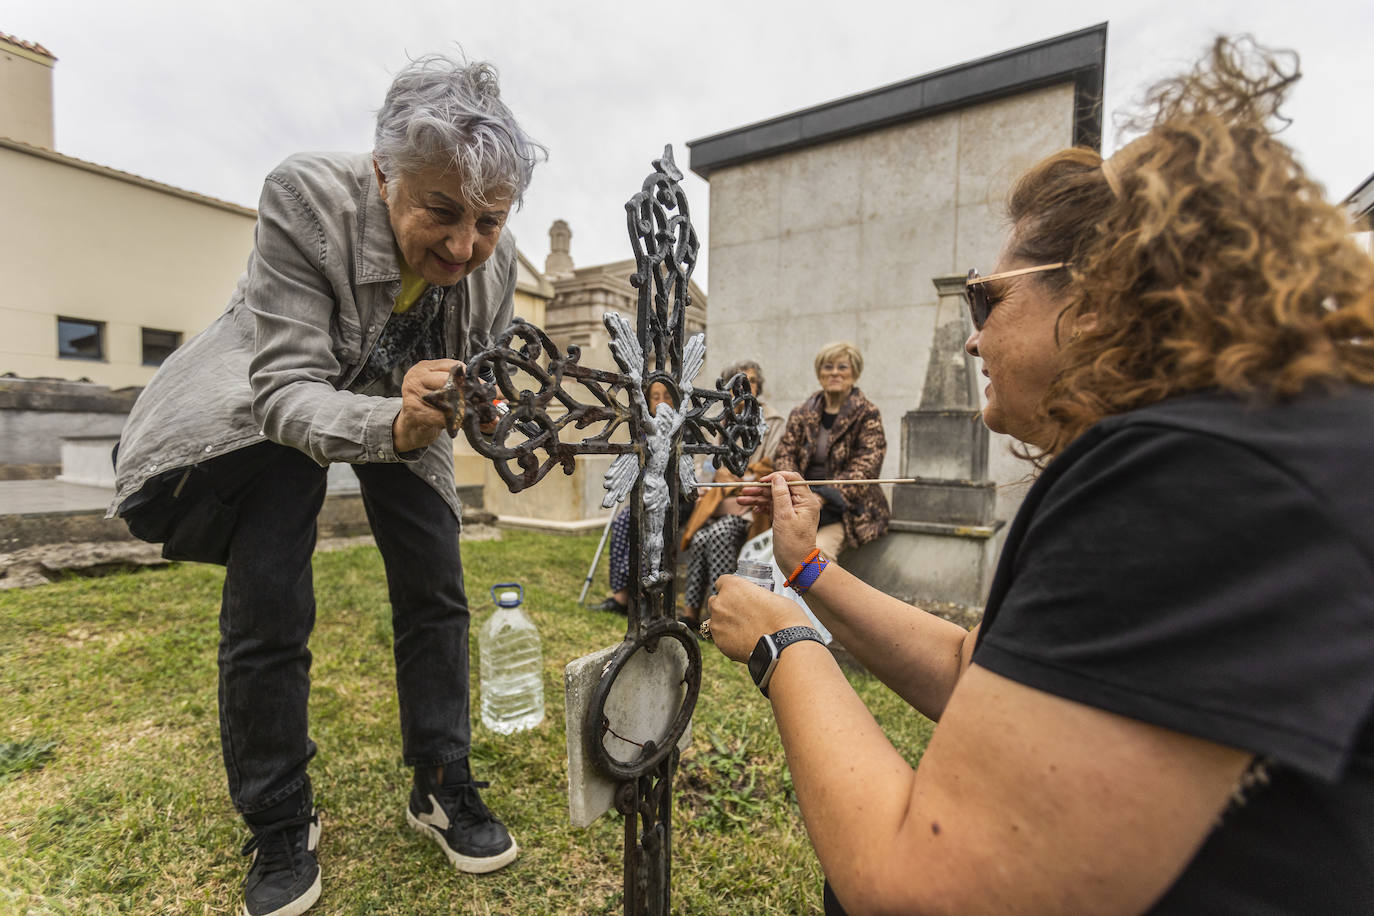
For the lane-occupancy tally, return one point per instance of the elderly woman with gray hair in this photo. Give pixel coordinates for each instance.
(370, 277)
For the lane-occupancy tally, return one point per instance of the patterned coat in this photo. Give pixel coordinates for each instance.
(857, 449)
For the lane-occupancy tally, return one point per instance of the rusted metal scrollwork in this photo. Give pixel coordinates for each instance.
(519, 401)
(486, 392)
(646, 803)
(665, 246)
(651, 753)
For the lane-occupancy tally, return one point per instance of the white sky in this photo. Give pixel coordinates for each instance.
(209, 97)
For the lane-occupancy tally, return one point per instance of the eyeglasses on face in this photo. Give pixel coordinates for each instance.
(979, 305)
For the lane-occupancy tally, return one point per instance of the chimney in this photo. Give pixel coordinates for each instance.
(26, 91)
(559, 263)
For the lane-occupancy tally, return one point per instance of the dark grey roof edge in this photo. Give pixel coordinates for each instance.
(1078, 57)
(1361, 200)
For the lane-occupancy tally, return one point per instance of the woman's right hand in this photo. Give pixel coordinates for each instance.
(418, 424)
(796, 515)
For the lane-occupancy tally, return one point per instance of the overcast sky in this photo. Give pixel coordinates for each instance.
(210, 96)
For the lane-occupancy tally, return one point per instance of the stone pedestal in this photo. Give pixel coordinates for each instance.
(561, 502)
(86, 460)
(941, 545)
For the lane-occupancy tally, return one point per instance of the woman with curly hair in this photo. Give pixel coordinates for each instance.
(1167, 706)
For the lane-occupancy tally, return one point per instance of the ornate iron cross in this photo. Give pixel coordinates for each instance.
(653, 468)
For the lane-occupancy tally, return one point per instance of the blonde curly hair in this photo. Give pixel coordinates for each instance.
(1201, 255)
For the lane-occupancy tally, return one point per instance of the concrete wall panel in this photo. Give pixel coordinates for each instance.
(842, 241)
(751, 204)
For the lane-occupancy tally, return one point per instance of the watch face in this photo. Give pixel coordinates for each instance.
(761, 659)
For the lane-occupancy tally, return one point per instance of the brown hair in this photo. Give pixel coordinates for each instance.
(1208, 261)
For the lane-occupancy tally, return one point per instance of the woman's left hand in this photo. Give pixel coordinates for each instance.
(741, 612)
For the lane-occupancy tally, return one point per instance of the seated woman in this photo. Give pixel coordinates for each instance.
(838, 433)
(719, 525)
(1168, 705)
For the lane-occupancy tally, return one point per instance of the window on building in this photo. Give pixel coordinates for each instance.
(158, 345)
(80, 339)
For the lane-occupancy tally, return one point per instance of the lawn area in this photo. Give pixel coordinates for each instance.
(112, 792)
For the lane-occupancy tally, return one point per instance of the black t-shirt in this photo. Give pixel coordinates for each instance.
(1208, 567)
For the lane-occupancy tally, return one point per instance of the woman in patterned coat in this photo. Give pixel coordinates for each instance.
(838, 433)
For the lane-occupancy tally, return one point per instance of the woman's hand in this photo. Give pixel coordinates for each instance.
(796, 516)
(741, 612)
(418, 424)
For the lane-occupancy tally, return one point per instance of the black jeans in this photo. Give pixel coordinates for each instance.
(830, 902)
(268, 611)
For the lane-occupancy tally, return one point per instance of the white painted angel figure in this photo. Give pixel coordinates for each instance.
(664, 424)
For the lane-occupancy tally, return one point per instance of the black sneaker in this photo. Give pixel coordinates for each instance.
(284, 876)
(454, 816)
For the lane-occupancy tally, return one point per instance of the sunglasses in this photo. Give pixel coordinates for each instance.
(979, 305)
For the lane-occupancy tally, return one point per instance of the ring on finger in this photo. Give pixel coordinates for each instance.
(705, 630)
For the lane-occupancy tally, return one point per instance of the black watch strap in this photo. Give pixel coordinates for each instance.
(784, 638)
(769, 649)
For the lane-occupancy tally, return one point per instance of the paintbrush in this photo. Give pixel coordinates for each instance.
(814, 483)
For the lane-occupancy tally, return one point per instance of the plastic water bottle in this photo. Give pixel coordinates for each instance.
(761, 574)
(511, 664)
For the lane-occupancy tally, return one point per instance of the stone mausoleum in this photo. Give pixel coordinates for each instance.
(858, 220)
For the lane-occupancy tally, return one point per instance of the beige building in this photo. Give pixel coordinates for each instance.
(582, 295)
(105, 300)
(107, 297)
(26, 91)
(1360, 203)
(147, 268)
(858, 220)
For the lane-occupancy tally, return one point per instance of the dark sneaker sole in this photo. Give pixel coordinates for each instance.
(473, 865)
(295, 907)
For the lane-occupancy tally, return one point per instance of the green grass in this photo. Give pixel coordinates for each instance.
(112, 794)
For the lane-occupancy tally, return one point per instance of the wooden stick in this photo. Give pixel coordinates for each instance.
(815, 483)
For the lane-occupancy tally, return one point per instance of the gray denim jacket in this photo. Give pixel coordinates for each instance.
(320, 284)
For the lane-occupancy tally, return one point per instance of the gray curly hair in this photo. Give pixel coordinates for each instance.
(744, 365)
(442, 111)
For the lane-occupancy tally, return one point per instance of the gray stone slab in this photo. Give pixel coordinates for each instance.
(944, 563)
(944, 445)
(641, 706)
(86, 460)
(25, 497)
(952, 502)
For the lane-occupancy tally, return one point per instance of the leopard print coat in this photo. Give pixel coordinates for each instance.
(857, 449)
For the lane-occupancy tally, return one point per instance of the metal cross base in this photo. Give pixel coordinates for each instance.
(653, 469)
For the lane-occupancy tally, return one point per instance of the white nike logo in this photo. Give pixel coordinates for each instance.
(437, 817)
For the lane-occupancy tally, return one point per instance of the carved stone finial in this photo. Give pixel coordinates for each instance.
(559, 262)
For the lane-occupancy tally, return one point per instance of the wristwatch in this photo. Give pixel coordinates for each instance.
(764, 658)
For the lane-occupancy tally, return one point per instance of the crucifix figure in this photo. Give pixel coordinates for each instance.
(663, 427)
(534, 394)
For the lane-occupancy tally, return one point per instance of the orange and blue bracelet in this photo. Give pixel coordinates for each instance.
(807, 572)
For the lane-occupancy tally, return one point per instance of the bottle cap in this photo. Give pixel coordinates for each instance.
(508, 599)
